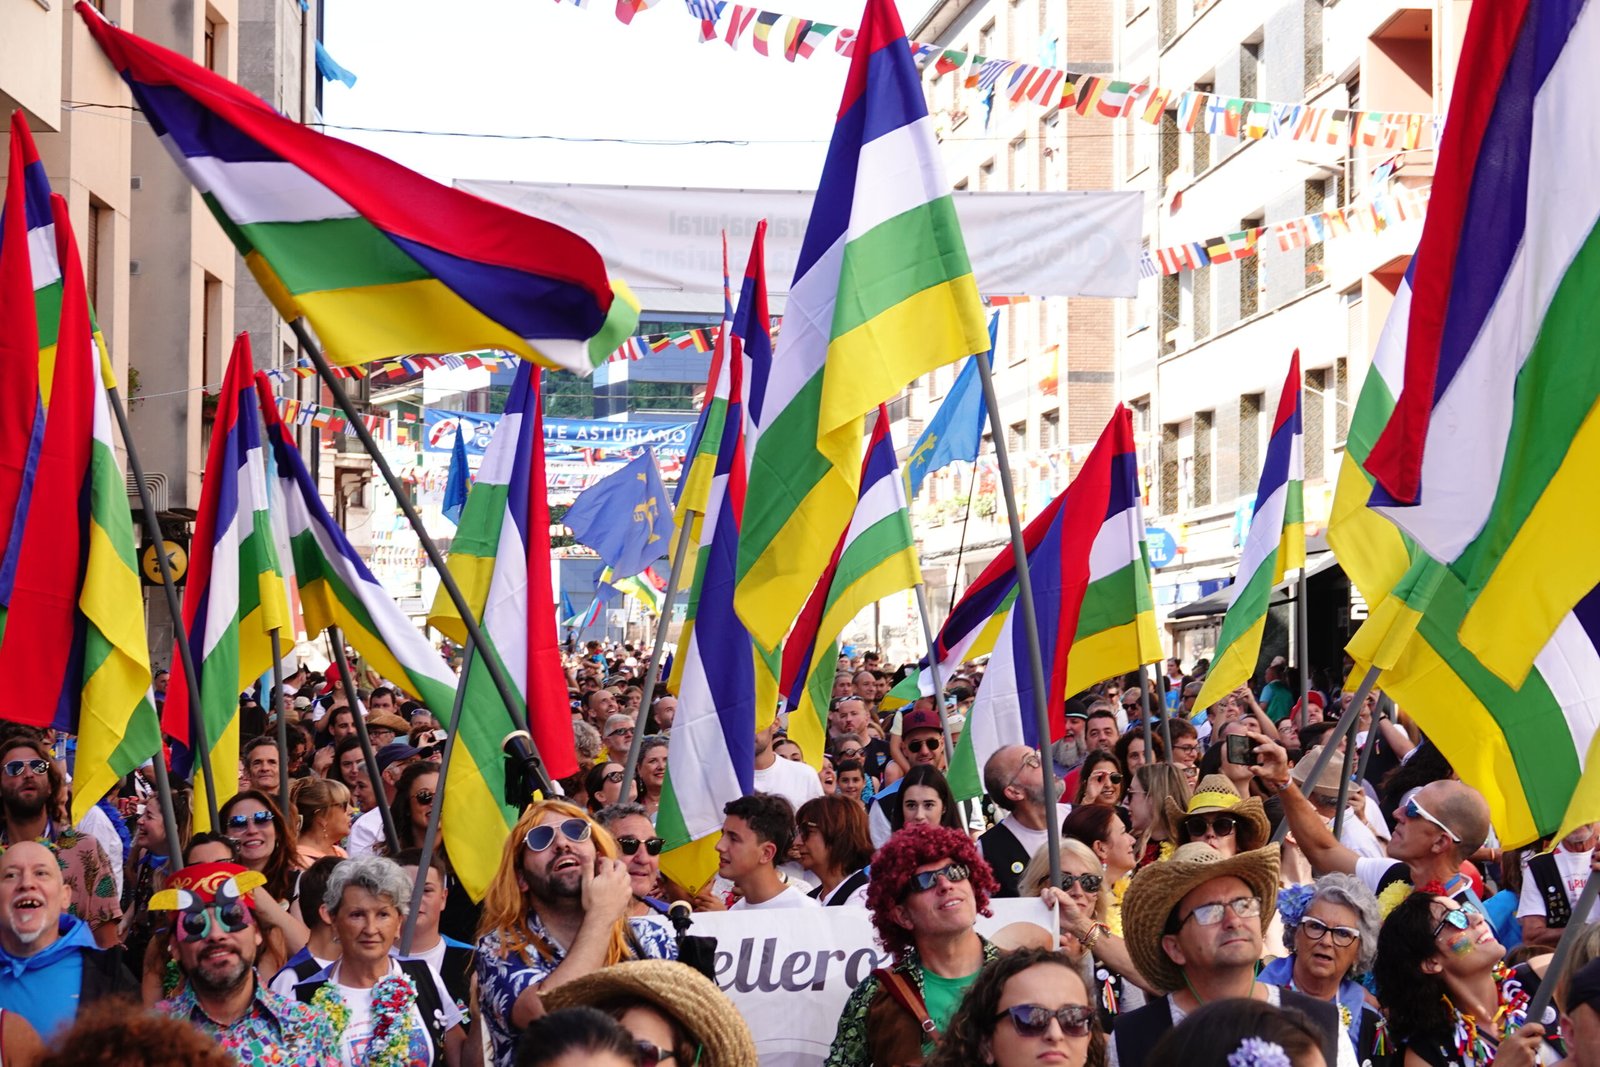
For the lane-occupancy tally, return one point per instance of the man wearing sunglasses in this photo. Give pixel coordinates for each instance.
(1193, 926)
(636, 838)
(1437, 829)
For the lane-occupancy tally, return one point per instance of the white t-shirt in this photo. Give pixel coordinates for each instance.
(353, 1045)
(856, 899)
(791, 897)
(284, 982)
(366, 833)
(793, 781)
(1033, 840)
(1574, 868)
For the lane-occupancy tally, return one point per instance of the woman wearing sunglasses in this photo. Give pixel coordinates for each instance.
(1452, 1001)
(1331, 929)
(266, 844)
(1030, 1006)
(1100, 780)
(641, 850)
(323, 807)
(1218, 816)
(1103, 829)
(603, 786)
(833, 843)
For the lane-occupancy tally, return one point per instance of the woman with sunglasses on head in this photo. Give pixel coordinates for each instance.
(1331, 929)
(1101, 827)
(641, 848)
(833, 844)
(1100, 780)
(323, 808)
(1451, 1000)
(266, 843)
(1030, 1006)
(1148, 792)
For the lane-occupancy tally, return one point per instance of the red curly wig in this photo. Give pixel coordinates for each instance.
(897, 862)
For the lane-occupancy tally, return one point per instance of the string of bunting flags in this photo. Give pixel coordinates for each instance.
(793, 37)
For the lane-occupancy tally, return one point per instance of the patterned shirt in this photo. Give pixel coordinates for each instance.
(275, 1030)
(87, 871)
(850, 1047)
(502, 977)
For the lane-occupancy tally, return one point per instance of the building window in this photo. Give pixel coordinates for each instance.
(1250, 439)
(1312, 25)
(986, 176)
(986, 40)
(1171, 311)
(1249, 69)
(1142, 442)
(1167, 21)
(1169, 147)
(1017, 164)
(1250, 275)
(1313, 400)
(1200, 140)
(211, 355)
(1169, 468)
(1201, 285)
(1315, 203)
(1016, 438)
(1203, 446)
(1050, 430)
(1186, 465)
(98, 214)
(1341, 400)
(209, 57)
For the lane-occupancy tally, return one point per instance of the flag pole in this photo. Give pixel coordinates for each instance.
(283, 719)
(1166, 718)
(1331, 742)
(430, 836)
(197, 726)
(358, 715)
(1030, 624)
(1569, 939)
(1344, 779)
(1149, 745)
(961, 545)
(502, 684)
(653, 673)
(1302, 637)
(933, 669)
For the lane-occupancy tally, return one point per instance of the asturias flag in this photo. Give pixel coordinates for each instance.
(625, 517)
(956, 429)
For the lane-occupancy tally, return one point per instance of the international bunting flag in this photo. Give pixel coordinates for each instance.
(1489, 458)
(1191, 106)
(949, 62)
(739, 19)
(501, 558)
(381, 261)
(234, 596)
(883, 293)
(1275, 544)
(876, 556)
(761, 35)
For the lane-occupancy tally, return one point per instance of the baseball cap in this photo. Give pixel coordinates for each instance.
(1583, 988)
(394, 752)
(922, 719)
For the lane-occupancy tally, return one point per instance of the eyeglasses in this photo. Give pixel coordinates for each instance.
(1190, 749)
(239, 822)
(1106, 776)
(630, 844)
(849, 753)
(1460, 918)
(650, 1054)
(930, 744)
(1410, 809)
(926, 880)
(423, 796)
(196, 925)
(1341, 936)
(1211, 914)
(621, 731)
(1030, 760)
(1033, 1020)
(14, 768)
(1091, 882)
(542, 837)
(1222, 825)
(613, 776)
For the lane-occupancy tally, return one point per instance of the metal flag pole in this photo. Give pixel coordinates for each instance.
(283, 720)
(1373, 730)
(1149, 746)
(430, 836)
(1347, 769)
(653, 673)
(961, 545)
(933, 669)
(1331, 742)
(1030, 624)
(1302, 646)
(348, 684)
(197, 726)
(502, 684)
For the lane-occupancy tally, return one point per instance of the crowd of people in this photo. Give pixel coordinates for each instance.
(1213, 904)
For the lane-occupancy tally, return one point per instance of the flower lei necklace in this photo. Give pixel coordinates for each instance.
(392, 998)
(1472, 1046)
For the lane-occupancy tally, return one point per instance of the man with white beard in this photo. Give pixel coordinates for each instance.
(50, 965)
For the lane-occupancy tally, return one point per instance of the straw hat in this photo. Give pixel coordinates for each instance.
(1156, 890)
(1216, 793)
(681, 992)
(1327, 784)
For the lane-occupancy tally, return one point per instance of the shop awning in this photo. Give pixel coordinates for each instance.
(1282, 593)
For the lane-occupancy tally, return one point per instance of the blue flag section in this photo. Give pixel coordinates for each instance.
(455, 488)
(626, 518)
(956, 429)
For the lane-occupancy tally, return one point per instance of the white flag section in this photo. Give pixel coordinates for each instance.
(790, 980)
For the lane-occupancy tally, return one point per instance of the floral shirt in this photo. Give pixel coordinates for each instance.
(502, 977)
(275, 1030)
(850, 1047)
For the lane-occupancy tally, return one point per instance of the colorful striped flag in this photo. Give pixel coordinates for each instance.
(1488, 460)
(234, 596)
(1276, 543)
(876, 556)
(712, 758)
(380, 260)
(501, 558)
(883, 293)
(761, 35)
(739, 20)
(1191, 105)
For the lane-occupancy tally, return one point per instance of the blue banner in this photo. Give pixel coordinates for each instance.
(563, 438)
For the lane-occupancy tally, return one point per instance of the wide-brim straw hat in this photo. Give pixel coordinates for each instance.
(681, 992)
(1216, 793)
(1156, 890)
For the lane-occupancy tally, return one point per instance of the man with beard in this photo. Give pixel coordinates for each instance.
(33, 799)
(556, 910)
(216, 939)
(1014, 779)
(49, 963)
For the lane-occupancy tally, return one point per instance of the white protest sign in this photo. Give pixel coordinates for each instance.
(789, 972)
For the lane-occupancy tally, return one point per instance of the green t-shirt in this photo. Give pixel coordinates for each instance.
(942, 997)
(1277, 700)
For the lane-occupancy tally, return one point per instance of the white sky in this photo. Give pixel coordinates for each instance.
(537, 67)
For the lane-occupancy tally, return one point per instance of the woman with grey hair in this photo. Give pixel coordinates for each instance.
(1331, 930)
(385, 1011)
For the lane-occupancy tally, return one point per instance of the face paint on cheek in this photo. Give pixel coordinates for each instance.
(1460, 944)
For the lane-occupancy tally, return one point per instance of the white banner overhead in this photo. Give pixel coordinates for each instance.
(667, 243)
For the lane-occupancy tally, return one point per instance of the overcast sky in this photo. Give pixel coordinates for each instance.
(536, 67)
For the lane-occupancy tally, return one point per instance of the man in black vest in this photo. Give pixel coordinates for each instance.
(1014, 779)
(1193, 927)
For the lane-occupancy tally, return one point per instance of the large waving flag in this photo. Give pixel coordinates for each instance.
(1526, 750)
(30, 308)
(1117, 624)
(876, 556)
(1276, 543)
(1489, 459)
(882, 294)
(380, 260)
(624, 516)
(501, 557)
(1061, 545)
(712, 758)
(956, 430)
(234, 597)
